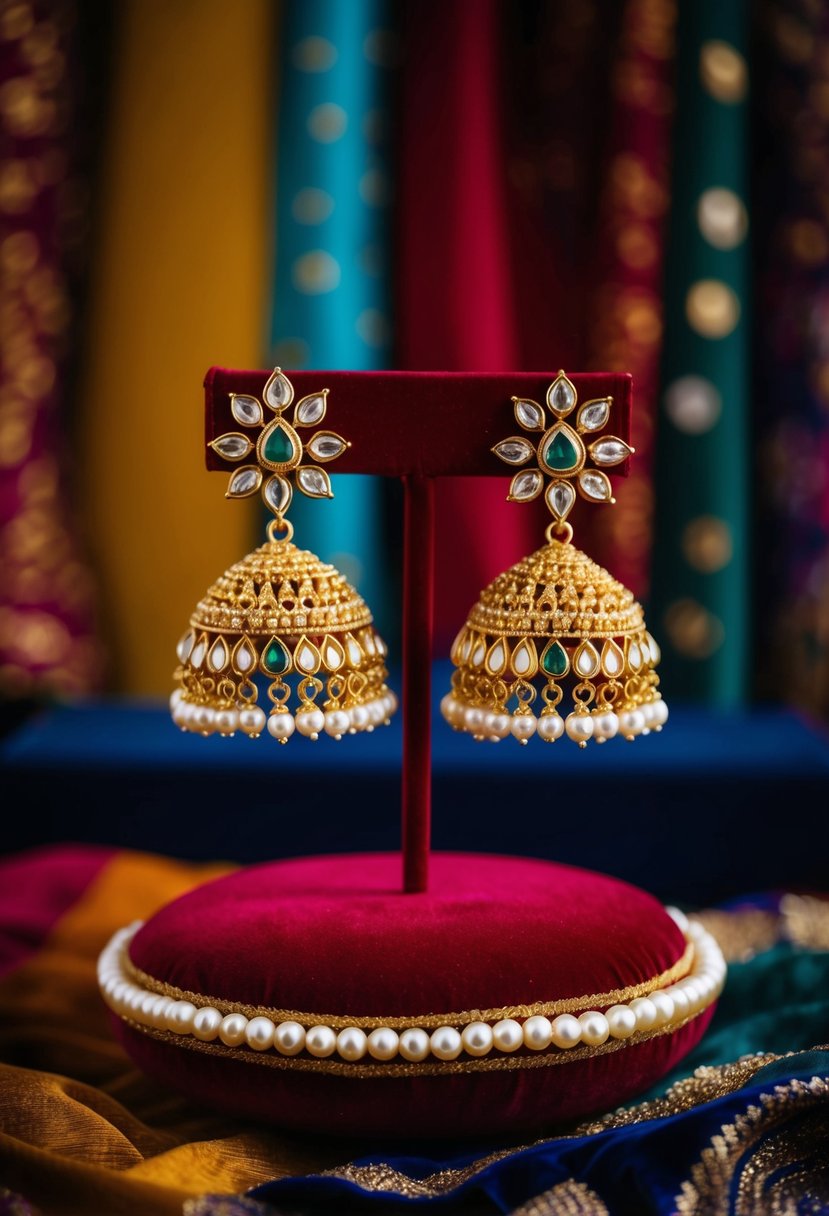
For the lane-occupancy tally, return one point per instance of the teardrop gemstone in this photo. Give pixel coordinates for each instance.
(276, 658)
(279, 447)
(554, 660)
(563, 451)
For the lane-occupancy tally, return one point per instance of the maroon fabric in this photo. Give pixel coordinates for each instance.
(36, 889)
(416, 784)
(421, 424)
(475, 1104)
(331, 936)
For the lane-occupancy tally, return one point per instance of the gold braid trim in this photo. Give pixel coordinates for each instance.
(429, 1021)
(705, 1085)
(434, 1068)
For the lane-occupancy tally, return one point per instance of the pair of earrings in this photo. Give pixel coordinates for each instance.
(285, 626)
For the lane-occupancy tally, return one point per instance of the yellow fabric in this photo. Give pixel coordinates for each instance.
(82, 1130)
(179, 285)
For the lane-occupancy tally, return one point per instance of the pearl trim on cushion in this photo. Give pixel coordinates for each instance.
(661, 1011)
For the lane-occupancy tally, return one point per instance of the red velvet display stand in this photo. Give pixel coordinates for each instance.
(348, 940)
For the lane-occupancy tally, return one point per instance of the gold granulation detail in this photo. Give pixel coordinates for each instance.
(281, 589)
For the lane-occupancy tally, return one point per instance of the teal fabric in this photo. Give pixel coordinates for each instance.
(331, 305)
(700, 606)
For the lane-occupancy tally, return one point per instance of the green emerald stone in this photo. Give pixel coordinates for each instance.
(554, 659)
(279, 447)
(561, 453)
(276, 658)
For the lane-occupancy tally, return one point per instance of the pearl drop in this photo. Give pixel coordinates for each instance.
(579, 727)
(252, 720)
(310, 722)
(566, 1031)
(538, 1033)
(227, 721)
(232, 1029)
(497, 726)
(206, 1024)
(383, 1043)
(477, 1039)
(508, 1035)
(660, 712)
(204, 719)
(550, 727)
(359, 717)
(621, 1020)
(414, 1045)
(320, 1041)
(523, 727)
(281, 726)
(594, 1028)
(336, 723)
(175, 700)
(446, 1043)
(645, 1012)
(376, 712)
(180, 1017)
(606, 726)
(664, 1007)
(631, 722)
(289, 1038)
(259, 1033)
(448, 707)
(180, 714)
(351, 1043)
(473, 720)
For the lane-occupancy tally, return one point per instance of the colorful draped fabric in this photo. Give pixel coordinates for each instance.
(792, 371)
(701, 603)
(48, 642)
(178, 285)
(531, 236)
(331, 306)
(82, 1131)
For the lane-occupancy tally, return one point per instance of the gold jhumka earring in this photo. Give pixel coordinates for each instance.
(557, 623)
(281, 621)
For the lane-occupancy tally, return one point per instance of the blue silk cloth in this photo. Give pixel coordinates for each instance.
(741, 1127)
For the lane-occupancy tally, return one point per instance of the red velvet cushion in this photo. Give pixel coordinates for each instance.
(333, 936)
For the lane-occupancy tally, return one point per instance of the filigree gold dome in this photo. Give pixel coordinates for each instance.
(555, 624)
(284, 622)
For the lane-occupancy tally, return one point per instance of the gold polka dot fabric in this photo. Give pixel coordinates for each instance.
(700, 585)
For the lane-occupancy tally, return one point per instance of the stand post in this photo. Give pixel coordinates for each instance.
(418, 574)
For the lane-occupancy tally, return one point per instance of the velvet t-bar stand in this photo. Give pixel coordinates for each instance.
(417, 426)
(498, 993)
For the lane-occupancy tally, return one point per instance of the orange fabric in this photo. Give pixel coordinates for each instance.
(81, 1130)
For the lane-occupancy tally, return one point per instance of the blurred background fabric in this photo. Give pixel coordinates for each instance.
(463, 184)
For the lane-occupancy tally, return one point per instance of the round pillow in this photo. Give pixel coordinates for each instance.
(315, 995)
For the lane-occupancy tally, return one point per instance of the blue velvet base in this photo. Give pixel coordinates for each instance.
(714, 805)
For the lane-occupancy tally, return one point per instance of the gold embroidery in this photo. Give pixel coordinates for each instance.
(434, 1068)
(788, 1163)
(570, 1198)
(742, 934)
(703, 1086)
(806, 921)
(430, 1021)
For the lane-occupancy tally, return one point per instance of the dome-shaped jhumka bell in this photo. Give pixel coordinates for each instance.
(285, 622)
(281, 630)
(555, 645)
